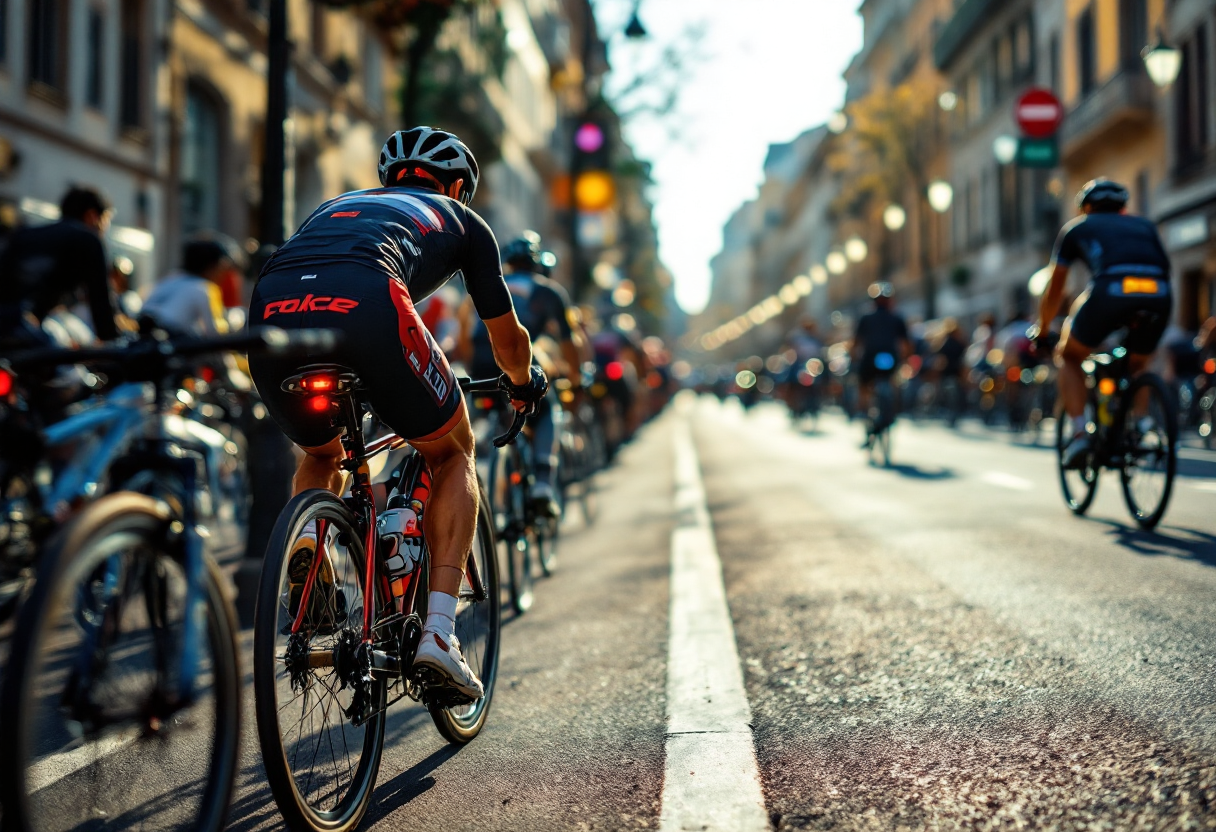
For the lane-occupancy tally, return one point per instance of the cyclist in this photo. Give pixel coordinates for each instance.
(1129, 273)
(358, 264)
(880, 343)
(191, 301)
(44, 267)
(544, 310)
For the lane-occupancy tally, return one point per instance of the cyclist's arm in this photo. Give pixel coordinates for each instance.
(1049, 304)
(483, 278)
(560, 316)
(512, 346)
(95, 271)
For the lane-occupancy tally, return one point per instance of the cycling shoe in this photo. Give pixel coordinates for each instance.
(439, 663)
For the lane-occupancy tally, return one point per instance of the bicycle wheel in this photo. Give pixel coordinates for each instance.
(1078, 484)
(320, 746)
(1207, 420)
(122, 692)
(508, 486)
(1150, 443)
(477, 628)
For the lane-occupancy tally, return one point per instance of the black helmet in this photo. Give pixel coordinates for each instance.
(523, 252)
(1103, 195)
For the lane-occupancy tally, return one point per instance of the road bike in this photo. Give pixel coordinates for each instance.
(584, 452)
(881, 416)
(121, 696)
(1134, 430)
(334, 648)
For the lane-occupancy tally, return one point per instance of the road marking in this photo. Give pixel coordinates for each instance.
(52, 769)
(1002, 480)
(1204, 486)
(712, 781)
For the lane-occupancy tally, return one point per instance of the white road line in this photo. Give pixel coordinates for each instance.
(54, 768)
(1002, 480)
(1204, 486)
(712, 781)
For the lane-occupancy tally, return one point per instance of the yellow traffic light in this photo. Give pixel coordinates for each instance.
(594, 191)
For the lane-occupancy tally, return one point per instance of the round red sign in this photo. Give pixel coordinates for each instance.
(1039, 113)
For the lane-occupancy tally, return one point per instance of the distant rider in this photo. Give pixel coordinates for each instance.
(880, 344)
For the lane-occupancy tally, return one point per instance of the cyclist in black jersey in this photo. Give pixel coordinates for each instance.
(1129, 274)
(880, 344)
(358, 264)
(45, 267)
(544, 310)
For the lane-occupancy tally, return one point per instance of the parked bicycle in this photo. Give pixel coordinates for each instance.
(334, 649)
(123, 666)
(1135, 430)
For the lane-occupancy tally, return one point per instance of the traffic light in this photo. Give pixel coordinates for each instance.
(594, 187)
(591, 146)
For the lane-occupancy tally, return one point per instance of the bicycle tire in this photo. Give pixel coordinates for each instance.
(1079, 496)
(1207, 420)
(1165, 418)
(460, 725)
(344, 544)
(140, 522)
(507, 499)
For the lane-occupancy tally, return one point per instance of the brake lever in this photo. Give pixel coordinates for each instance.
(516, 426)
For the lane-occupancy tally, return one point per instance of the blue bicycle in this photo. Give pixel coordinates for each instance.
(123, 668)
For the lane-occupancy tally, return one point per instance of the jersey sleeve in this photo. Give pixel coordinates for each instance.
(96, 277)
(557, 308)
(1066, 250)
(483, 270)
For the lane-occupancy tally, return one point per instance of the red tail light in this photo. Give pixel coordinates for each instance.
(6, 382)
(1209, 366)
(319, 384)
(1013, 374)
(207, 374)
(319, 403)
(615, 371)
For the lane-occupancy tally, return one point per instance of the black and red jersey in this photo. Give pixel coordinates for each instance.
(418, 237)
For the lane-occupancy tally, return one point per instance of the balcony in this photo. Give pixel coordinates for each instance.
(1128, 99)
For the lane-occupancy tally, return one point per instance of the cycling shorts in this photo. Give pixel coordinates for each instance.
(874, 367)
(1109, 304)
(406, 377)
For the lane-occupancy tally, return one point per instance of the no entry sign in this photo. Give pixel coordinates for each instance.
(1039, 113)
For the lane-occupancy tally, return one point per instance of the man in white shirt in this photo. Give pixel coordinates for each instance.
(189, 302)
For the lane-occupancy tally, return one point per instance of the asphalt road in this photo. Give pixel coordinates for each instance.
(939, 644)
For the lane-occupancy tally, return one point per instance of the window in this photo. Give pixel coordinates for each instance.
(1133, 32)
(1193, 100)
(48, 24)
(131, 110)
(200, 162)
(1009, 187)
(1053, 63)
(95, 61)
(1087, 59)
(1023, 48)
(1142, 194)
(3, 31)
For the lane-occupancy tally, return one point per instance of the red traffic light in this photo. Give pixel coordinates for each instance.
(589, 137)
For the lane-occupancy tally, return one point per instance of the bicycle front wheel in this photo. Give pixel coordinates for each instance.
(508, 493)
(320, 746)
(1150, 442)
(478, 618)
(121, 698)
(1079, 485)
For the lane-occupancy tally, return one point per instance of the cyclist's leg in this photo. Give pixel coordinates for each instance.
(320, 468)
(449, 520)
(1081, 334)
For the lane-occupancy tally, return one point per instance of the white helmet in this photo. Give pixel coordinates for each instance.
(436, 151)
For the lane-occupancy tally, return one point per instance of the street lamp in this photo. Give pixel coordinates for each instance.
(837, 263)
(1005, 149)
(1162, 62)
(855, 249)
(635, 30)
(948, 101)
(941, 195)
(894, 217)
(838, 122)
(818, 275)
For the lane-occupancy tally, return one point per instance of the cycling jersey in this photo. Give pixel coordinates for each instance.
(880, 334)
(418, 237)
(1113, 246)
(44, 266)
(358, 264)
(1131, 275)
(541, 305)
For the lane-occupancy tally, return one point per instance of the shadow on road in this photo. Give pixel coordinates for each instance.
(915, 472)
(407, 785)
(1176, 542)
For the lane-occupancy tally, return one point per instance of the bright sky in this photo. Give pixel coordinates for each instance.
(767, 70)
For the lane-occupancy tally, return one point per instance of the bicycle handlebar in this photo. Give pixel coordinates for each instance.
(146, 359)
(491, 385)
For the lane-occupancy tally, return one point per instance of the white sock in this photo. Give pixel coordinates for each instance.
(441, 613)
(1079, 423)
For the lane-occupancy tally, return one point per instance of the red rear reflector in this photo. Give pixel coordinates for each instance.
(319, 403)
(344, 214)
(207, 374)
(615, 371)
(484, 404)
(1013, 374)
(6, 382)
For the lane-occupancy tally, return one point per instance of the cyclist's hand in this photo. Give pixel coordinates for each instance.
(524, 397)
(1040, 340)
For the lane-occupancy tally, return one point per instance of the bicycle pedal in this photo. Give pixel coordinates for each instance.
(436, 690)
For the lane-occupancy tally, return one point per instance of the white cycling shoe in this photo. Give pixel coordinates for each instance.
(442, 655)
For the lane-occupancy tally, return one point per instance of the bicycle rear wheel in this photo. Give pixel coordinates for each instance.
(1078, 485)
(103, 725)
(320, 747)
(477, 627)
(1150, 444)
(508, 493)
